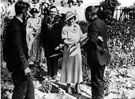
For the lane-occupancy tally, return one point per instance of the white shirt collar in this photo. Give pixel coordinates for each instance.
(20, 19)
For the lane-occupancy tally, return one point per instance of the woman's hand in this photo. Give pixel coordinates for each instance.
(70, 42)
(59, 47)
(76, 43)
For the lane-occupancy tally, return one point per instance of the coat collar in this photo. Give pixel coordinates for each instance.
(55, 20)
(19, 19)
(95, 19)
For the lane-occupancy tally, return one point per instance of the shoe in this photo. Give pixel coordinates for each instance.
(77, 88)
(69, 90)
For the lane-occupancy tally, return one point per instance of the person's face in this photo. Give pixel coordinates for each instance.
(35, 1)
(53, 12)
(90, 16)
(34, 14)
(51, 1)
(12, 1)
(79, 3)
(71, 21)
(62, 4)
(70, 4)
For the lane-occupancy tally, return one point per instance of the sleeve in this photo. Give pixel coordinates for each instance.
(93, 32)
(64, 33)
(18, 44)
(0, 19)
(65, 36)
(27, 31)
(80, 32)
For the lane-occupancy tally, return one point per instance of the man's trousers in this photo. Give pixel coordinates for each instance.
(97, 79)
(24, 88)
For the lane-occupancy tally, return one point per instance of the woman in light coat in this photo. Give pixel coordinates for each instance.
(33, 30)
(72, 60)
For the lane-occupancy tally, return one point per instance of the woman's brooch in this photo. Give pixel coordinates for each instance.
(74, 28)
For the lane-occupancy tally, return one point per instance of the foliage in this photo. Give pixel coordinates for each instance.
(6, 83)
(39, 73)
(86, 69)
(83, 26)
(5, 75)
(108, 7)
(121, 43)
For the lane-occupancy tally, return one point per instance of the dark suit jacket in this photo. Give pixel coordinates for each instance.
(97, 48)
(51, 37)
(16, 47)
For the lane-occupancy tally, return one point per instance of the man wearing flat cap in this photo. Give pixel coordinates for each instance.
(97, 51)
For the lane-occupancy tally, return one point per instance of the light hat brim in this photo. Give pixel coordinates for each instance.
(69, 15)
(79, 1)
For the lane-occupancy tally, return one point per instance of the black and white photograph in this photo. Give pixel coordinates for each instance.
(67, 49)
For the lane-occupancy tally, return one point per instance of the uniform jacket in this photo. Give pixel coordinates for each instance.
(97, 44)
(16, 50)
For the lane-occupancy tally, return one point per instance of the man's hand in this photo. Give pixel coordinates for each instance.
(27, 71)
(100, 38)
(59, 47)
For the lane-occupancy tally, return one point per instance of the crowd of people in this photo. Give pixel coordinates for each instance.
(40, 31)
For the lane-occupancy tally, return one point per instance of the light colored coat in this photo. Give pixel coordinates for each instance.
(72, 60)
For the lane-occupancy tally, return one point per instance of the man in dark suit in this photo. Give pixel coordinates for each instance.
(97, 51)
(51, 38)
(16, 54)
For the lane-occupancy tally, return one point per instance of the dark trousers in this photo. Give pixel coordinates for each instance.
(97, 79)
(52, 64)
(24, 88)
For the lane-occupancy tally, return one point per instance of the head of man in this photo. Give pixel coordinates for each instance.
(70, 3)
(21, 9)
(11, 1)
(53, 11)
(90, 13)
(79, 2)
(63, 3)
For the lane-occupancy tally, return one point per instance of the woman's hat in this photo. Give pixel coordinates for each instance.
(69, 15)
(79, 1)
(70, 1)
(34, 10)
